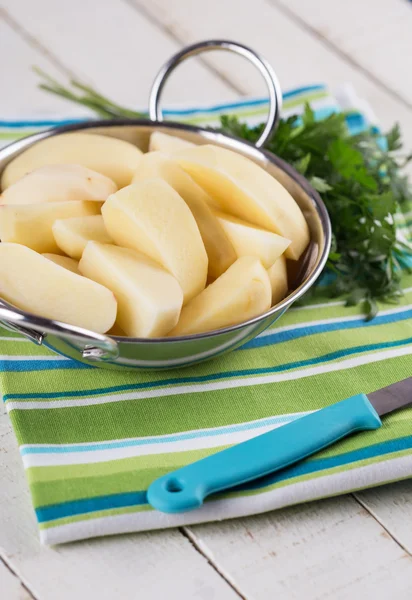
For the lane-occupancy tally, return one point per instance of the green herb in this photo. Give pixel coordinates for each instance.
(86, 96)
(359, 177)
(360, 180)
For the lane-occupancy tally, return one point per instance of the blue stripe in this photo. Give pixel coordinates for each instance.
(190, 435)
(259, 342)
(212, 109)
(217, 376)
(79, 507)
(138, 498)
(22, 366)
(278, 337)
(47, 123)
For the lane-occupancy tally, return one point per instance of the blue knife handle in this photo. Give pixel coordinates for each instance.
(186, 488)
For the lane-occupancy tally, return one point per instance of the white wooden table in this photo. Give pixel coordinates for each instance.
(353, 547)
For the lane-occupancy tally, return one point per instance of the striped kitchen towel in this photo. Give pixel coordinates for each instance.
(92, 440)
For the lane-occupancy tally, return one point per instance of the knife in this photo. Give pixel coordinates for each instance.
(186, 488)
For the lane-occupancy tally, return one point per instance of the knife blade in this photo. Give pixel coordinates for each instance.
(187, 487)
(392, 397)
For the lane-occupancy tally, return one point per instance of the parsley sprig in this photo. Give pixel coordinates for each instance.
(359, 178)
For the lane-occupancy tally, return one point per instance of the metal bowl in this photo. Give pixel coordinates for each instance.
(121, 353)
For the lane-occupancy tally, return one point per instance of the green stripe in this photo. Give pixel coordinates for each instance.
(52, 485)
(11, 334)
(14, 135)
(299, 349)
(18, 349)
(301, 100)
(47, 475)
(130, 481)
(147, 508)
(214, 408)
(64, 491)
(395, 426)
(245, 113)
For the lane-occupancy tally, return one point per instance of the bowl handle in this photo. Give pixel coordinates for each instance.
(275, 93)
(96, 346)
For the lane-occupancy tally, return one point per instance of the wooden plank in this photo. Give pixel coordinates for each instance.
(374, 35)
(10, 586)
(20, 97)
(116, 49)
(156, 565)
(391, 505)
(332, 549)
(297, 55)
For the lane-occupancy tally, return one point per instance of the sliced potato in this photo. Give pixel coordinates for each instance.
(64, 261)
(218, 247)
(109, 156)
(278, 276)
(34, 283)
(149, 298)
(245, 190)
(31, 224)
(239, 294)
(72, 235)
(248, 240)
(167, 143)
(59, 183)
(152, 218)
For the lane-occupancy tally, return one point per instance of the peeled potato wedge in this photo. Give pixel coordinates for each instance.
(245, 190)
(152, 218)
(168, 144)
(34, 283)
(59, 183)
(243, 292)
(248, 240)
(219, 250)
(31, 224)
(64, 261)
(149, 298)
(278, 276)
(72, 235)
(109, 156)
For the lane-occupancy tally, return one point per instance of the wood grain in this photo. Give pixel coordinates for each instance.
(298, 56)
(20, 97)
(374, 36)
(391, 505)
(10, 586)
(113, 47)
(328, 549)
